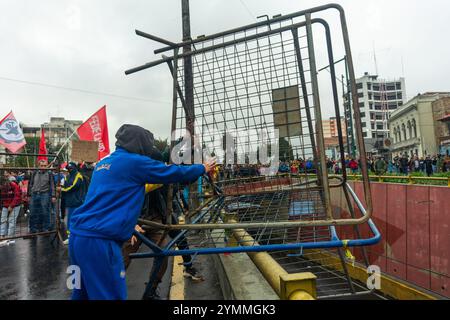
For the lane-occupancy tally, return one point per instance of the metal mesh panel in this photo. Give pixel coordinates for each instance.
(249, 86)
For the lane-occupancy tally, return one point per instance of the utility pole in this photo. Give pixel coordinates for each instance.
(349, 101)
(345, 116)
(189, 91)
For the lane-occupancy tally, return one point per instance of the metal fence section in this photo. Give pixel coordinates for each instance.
(246, 83)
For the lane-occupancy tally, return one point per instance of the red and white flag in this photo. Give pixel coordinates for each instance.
(11, 135)
(96, 129)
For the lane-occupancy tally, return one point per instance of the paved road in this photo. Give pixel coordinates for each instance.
(34, 269)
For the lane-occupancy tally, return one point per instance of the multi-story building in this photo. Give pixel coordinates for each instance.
(414, 126)
(330, 129)
(57, 131)
(378, 98)
(441, 117)
(330, 133)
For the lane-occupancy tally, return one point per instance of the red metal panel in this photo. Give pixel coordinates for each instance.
(418, 251)
(440, 285)
(396, 223)
(379, 198)
(440, 238)
(396, 269)
(419, 277)
(395, 235)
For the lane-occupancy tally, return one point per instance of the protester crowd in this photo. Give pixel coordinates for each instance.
(36, 193)
(403, 165)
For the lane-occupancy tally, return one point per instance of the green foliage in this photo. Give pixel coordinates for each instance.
(161, 144)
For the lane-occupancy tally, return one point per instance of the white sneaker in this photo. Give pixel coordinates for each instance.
(4, 243)
(66, 242)
(11, 242)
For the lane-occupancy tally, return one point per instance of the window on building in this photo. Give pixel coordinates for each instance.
(376, 87)
(380, 127)
(377, 97)
(392, 106)
(399, 134)
(392, 97)
(374, 135)
(410, 131)
(371, 105)
(414, 127)
(365, 134)
(372, 126)
(363, 114)
(399, 95)
(361, 105)
(369, 86)
(364, 124)
(390, 87)
(359, 86)
(398, 86)
(370, 96)
(404, 132)
(360, 95)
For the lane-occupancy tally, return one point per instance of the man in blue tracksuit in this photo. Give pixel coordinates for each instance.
(111, 210)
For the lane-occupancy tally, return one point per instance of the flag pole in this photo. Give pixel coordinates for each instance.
(62, 147)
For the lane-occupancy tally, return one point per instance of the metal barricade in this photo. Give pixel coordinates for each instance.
(257, 78)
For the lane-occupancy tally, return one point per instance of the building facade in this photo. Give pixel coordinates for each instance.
(57, 131)
(441, 117)
(378, 98)
(413, 127)
(331, 136)
(330, 129)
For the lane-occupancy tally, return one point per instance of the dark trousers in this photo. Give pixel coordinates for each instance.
(41, 210)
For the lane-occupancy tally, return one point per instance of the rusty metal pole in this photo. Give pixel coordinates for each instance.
(189, 92)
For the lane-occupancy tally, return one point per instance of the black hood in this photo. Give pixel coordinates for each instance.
(135, 139)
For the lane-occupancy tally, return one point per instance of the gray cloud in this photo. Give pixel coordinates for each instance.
(88, 45)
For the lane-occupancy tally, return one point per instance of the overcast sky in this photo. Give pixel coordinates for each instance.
(88, 44)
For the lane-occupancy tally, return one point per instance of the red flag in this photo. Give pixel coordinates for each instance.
(42, 147)
(11, 136)
(96, 129)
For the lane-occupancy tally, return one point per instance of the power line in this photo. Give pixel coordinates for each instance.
(81, 90)
(246, 8)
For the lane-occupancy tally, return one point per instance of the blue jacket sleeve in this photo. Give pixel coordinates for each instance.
(152, 171)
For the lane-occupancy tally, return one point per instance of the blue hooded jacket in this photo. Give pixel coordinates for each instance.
(117, 191)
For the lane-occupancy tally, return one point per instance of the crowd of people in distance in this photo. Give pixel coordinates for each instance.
(401, 165)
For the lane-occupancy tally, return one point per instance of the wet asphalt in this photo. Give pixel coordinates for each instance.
(35, 269)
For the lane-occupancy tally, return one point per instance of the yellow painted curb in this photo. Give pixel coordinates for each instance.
(177, 285)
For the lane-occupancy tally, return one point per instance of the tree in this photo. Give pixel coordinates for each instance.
(19, 160)
(161, 144)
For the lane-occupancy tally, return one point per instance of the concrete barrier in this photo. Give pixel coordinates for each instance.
(240, 279)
